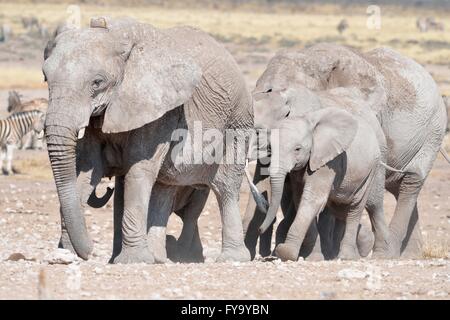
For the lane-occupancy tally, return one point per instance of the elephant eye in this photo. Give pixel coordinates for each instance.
(98, 83)
(297, 149)
(269, 91)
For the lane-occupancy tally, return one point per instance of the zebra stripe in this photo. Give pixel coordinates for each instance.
(13, 128)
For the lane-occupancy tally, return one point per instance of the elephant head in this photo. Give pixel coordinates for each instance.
(128, 73)
(319, 68)
(306, 143)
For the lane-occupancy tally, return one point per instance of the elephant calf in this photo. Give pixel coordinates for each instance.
(335, 161)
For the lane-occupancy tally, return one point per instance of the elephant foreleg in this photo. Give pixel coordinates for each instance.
(138, 184)
(226, 187)
(313, 200)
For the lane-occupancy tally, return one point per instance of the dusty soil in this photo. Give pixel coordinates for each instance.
(29, 225)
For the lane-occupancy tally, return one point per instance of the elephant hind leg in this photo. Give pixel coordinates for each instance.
(348, 249)
(189, 245)
(159, 210)
(118, 216)
(412, 244)
(405, 217)
(325, 226)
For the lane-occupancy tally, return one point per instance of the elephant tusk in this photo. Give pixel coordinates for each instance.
(81, 133)
(444, 154)
(261, 202)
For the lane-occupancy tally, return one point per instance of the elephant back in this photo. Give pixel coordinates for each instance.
(221, 100)
(408, 85)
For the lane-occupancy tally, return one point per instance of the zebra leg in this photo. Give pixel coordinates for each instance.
(27, 141)
(9, 157)
(2, 158)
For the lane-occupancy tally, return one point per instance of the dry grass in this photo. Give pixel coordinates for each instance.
(21, 77)
(436, 250)
(35, 167)
(258, 29)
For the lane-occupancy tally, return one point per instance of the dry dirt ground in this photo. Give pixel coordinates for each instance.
(29, 225)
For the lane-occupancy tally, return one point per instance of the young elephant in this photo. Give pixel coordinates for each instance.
(334, 157)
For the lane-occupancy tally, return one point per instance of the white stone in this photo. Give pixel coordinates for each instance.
(60, 256)
(351, 274)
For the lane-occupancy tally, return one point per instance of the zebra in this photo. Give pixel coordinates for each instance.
(30, 140)
(12, 129)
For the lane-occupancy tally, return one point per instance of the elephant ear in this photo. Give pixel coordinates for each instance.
(333, 132)
(156, 80)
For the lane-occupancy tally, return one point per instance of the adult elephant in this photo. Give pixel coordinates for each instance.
(118, 91)
(404, 98)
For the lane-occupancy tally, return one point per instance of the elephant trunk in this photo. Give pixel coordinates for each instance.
(96, 202)
(61, 137)
(277, 183)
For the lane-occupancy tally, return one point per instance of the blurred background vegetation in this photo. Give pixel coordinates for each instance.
(242, 25)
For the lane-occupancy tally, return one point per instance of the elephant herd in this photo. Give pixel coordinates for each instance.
(168, 114)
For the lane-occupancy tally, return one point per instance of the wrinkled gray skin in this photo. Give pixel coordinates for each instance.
(128, 87)
(188, 205)
(322, 153)
(447, 109)
(399, 91)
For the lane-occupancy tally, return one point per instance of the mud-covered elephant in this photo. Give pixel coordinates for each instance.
(401, 93)
(124, 100)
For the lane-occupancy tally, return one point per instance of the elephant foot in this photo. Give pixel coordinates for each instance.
(287, 252)
(365, 241)
(396, 249)
(383, 251)
(171, 247)
(381, 255)
(134, 255)
(348, 253)
(315, 256)
(413, 250)
(252, 249)
(156, 241)
(190, 256)
(234, 254)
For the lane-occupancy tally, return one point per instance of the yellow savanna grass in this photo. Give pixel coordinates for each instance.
(263, 29)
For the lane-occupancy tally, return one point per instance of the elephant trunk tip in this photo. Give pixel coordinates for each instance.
(266, 224)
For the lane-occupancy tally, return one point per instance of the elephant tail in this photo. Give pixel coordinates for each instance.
(444, 154)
